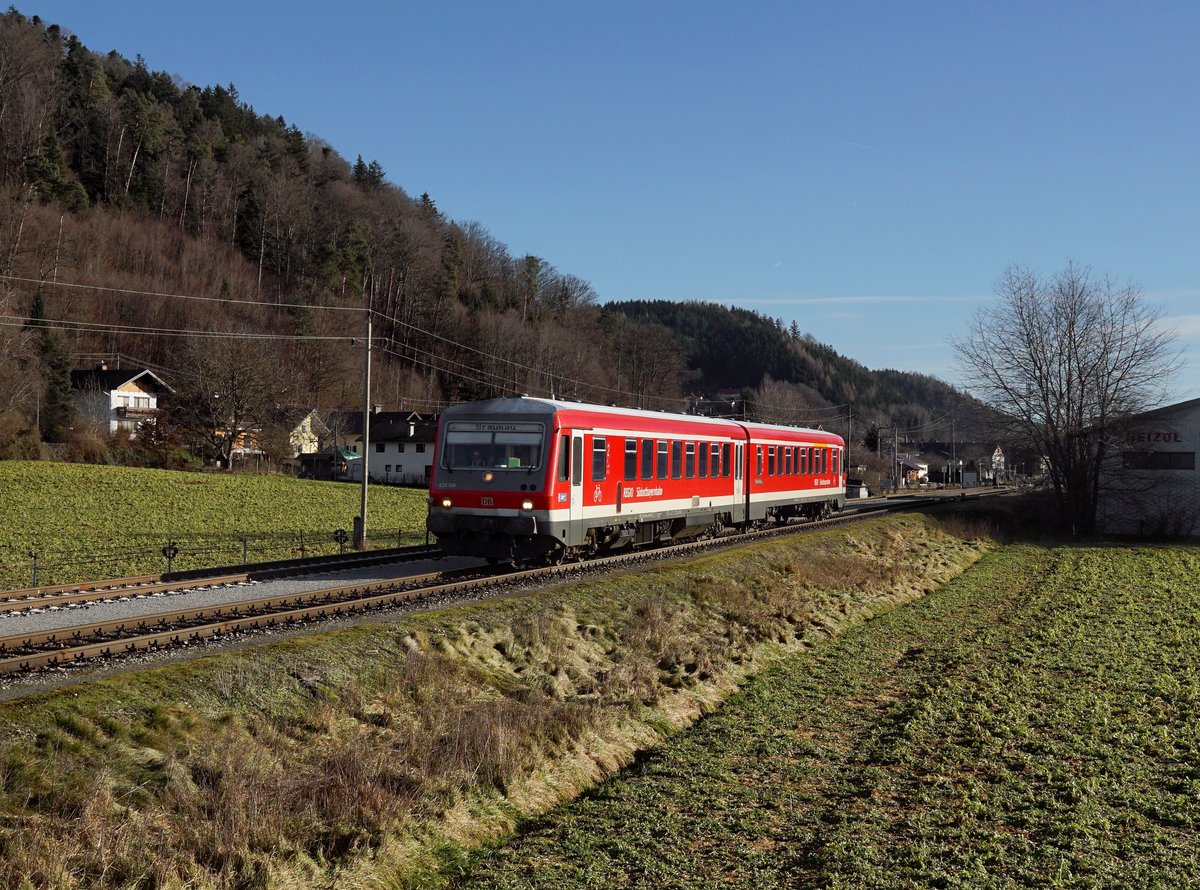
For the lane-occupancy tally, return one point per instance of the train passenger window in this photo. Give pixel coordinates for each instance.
(770, 460)
(702, 463)
(835, 460)
(716, 461)
(647, 459)
(689, 460)
(631, 460)
(787, 461)
(599, 458)
(660, 469)
(821, 461)
(676, 460)
(803, 461)
(796, 461)
(758, 460)
(564, 457)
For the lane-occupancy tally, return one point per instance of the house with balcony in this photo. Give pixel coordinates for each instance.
(118, 399)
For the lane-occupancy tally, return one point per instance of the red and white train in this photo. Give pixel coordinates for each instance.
(524, 478)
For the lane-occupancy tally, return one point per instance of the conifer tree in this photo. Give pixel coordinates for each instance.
(57, 403)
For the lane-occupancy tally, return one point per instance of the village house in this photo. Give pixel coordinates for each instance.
(401, 445)
(118, 399)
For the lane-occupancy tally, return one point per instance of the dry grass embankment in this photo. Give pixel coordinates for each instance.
(390, 749)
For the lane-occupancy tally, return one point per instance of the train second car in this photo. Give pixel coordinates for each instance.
(524, 478)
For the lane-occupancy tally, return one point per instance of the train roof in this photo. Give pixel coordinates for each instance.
(540, 407)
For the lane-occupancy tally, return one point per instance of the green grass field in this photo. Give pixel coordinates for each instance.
(1034, 723)
(92, 522)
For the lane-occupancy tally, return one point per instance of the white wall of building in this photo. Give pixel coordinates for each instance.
(393, 461)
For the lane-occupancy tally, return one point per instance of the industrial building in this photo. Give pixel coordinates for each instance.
(1150, 485)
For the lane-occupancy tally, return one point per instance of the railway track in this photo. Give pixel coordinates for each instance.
(60, 595)
(174, 627)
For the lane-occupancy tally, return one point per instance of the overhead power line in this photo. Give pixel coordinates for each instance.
(41, 282)
(85, 327)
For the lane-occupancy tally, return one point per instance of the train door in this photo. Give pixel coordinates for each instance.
(574, 534)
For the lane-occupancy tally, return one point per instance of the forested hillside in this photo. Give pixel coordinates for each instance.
(790, 375)
(176, 227)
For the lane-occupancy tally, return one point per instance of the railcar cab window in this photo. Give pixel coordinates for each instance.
(564, 457)
(836, 455)
(631, 459)
(495, 446)
(676, 460)
(599, 458)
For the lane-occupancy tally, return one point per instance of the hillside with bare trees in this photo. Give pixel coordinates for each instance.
(143, 217)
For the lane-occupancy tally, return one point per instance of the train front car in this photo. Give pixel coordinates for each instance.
(489, 495)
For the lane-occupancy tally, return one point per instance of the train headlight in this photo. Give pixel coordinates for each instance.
(526, 505)
(488, 477)
(446, 502)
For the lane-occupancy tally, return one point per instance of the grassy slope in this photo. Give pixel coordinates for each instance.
(70, 513)
(412, 740)
(1037, 722)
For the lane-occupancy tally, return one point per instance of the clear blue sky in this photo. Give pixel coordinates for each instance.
(868, 169)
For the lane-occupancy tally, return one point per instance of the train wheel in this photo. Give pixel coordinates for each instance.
(557, 556)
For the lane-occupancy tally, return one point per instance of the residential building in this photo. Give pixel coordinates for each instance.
(401, 445)
(118, 399)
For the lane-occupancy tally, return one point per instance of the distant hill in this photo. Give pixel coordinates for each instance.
(730, 348)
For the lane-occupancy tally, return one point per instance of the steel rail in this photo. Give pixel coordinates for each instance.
(148, 585)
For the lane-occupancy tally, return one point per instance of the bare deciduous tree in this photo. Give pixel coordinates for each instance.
(225, 393)
(1065, 360)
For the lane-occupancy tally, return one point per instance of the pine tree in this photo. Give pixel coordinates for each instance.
(57, 403)
(359, 174)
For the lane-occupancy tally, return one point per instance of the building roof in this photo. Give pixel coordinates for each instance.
(107, 379)
(386, 426)
(1167, 409)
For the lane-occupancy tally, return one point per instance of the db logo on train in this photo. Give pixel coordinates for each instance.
(596, 495)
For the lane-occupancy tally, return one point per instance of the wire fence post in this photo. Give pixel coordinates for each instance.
(34, 557)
